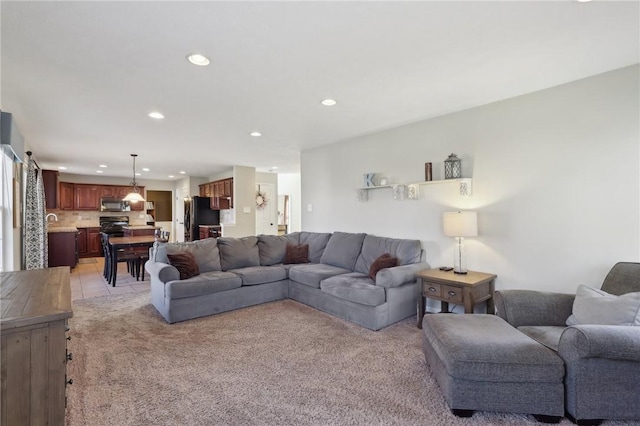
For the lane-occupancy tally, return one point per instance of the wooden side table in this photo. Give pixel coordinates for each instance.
(466, 289)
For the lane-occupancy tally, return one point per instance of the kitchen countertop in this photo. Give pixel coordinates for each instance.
(132, 227)
(54, 229)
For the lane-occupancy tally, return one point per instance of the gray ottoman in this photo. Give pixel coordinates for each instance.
(482, 363)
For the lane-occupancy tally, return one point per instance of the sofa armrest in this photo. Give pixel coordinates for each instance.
(615, 342)
(163, 272)
(398, 275)
(527, 307)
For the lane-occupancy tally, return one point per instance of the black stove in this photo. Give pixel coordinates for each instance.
(113, 225)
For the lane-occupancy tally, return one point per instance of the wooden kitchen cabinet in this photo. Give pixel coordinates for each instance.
(63, 249)
(66, 195)
(50, 180)
(33, 342)
(87, 197)
(220, 192)
(89, 242)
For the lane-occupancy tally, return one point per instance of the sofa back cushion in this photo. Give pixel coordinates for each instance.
(407, 251)
(272, 248)
(205, 252)
(343, 250)
(317, 241)
(238, 253)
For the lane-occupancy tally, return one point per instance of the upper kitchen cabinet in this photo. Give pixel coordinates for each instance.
(87, 197)
(50, 179)
(221, 193)
(66, 195)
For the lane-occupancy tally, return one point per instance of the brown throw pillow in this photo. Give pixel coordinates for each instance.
(185, 263)
(384, 261)
(296, 254)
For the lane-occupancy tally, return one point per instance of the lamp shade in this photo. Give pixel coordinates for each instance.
(460, 224)
(133, 197)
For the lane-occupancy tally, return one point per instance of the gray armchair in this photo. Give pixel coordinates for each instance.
(602, 362)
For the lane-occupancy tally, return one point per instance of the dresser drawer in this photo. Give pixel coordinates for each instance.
(432, 290)
(452, 294)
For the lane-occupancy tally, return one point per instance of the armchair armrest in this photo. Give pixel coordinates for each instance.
(616, 342)
(163, 272)
(527, 307)
(398, 275)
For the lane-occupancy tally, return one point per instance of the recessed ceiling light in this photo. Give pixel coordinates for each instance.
(274, 168)
(583, 1)
(62, 168)
(198, 59)
(171, 176)
(103, 166)
(329, 102)
(138, 174)
(99, 171)
(145, 169)
(255, 134)
(157, 115)
(182, 172)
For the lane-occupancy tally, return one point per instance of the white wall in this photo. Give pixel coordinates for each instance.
(556, 183)
(244, 212)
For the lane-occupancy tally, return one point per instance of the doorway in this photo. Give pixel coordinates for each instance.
(159, 209)
(267, 213)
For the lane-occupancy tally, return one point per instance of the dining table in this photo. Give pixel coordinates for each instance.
(118, 243)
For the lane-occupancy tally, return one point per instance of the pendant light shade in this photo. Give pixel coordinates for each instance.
(134, 196)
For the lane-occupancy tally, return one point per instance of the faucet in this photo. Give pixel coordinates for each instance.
(55, 218)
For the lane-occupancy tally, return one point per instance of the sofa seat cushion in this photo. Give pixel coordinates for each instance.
(261, 274)
(205, 283)
(354, 287)
(486, 348)
(546, 335)
(312, 273)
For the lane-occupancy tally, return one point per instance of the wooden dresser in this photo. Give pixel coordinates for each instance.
(35, 307)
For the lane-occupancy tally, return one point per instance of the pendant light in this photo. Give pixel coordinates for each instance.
(134, 196)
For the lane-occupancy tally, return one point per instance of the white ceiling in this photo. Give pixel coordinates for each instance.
(80, 77)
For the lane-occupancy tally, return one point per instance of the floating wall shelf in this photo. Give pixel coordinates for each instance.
(399, 191)
(465, 186)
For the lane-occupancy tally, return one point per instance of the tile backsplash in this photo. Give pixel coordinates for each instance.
(86, 219)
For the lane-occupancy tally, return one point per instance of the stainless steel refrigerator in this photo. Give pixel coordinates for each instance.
(197, 211)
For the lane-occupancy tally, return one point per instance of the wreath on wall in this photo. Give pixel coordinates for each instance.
(261, 199)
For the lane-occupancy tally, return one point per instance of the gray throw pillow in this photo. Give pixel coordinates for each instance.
(593, 306)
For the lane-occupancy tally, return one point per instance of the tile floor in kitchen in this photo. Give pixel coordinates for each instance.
(87, 280)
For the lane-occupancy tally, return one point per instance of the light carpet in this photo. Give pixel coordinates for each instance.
(281, 363)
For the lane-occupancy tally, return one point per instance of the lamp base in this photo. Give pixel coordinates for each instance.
(460, 273)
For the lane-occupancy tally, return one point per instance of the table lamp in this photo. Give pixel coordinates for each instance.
(460, 225)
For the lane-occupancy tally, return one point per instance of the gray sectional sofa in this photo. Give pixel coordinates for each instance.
(240, 272)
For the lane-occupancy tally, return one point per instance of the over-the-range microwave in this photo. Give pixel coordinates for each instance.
(114, 205)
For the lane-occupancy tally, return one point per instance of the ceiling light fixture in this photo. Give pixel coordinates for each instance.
(145, 169)
(182, 172)
(329, 102)
(171, 176)
(104, 166)
(198, 59)
(62, 168)
(157, 115)
(134, 196)
(255, 134)
(99, 171)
